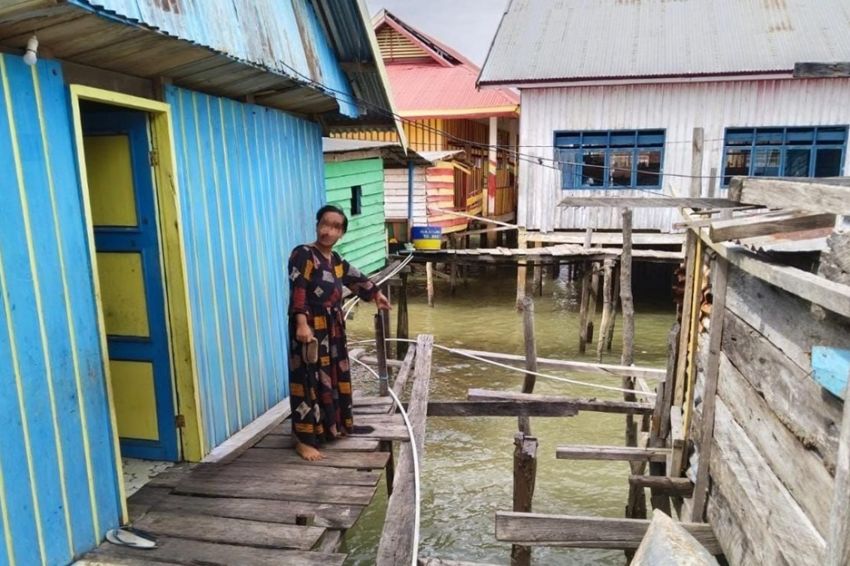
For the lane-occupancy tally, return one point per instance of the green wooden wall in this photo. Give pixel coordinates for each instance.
(364, 245)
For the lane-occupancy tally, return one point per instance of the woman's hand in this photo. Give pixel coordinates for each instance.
(303, 332)
(382, 302)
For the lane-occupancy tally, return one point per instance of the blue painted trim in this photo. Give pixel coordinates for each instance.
(831, 368)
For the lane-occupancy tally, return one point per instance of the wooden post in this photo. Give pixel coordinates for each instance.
(388, 345)
(429, 282)
(838, 541)
(583, 305)
(524, 423)
(712, 369)
(692, 266)
(522, 244)
(525, 472)
(452, 267)
(402, 330)
(537, 274)
(696, 163)
(609, 340)
(607, 304)
(380, 348)
(594, 298)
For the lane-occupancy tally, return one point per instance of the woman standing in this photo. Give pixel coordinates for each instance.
(319, 373)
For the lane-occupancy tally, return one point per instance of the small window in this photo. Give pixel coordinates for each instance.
(356, 200)
(618, 159)
(784, 152)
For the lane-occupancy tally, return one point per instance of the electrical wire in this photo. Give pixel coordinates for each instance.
(346, 309)
(514, 368)
(416, 475)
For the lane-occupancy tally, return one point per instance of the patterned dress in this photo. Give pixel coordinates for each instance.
(320, 393)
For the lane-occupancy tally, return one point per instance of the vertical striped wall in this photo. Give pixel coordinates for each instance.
(251, 180)
(364, 245)
(58, 489)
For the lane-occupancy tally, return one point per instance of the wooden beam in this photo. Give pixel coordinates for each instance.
(586, 532)
(655, 374)
(828, 294)
(719, 273)
(838, 540)
(403, 374)
(649, 202)
(623, 453)
(564, 403)
(767, 224)
(396, 544)
(821, 70)
(663, 485)
(781, 193)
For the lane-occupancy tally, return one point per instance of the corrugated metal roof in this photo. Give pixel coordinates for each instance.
(548, 40)
(336, 145)
(425, 87)
(444, 83)
(392, 152)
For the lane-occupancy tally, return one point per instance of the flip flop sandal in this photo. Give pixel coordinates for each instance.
(134, 538)
(310, 351)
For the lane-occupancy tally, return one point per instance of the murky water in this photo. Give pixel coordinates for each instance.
(468, 462)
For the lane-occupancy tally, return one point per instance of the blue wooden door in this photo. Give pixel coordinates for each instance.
(121, 192)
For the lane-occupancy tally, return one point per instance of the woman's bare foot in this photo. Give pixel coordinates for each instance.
(308, 452)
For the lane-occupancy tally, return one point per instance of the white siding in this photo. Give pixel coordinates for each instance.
(677, 108)
(395, 195)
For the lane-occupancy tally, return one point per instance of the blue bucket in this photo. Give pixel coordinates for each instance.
(426, 237)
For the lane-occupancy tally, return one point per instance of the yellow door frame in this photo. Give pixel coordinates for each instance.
(172, 258)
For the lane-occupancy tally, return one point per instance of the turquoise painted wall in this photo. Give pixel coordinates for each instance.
(58, 488)
(364, 245)
(250, 183)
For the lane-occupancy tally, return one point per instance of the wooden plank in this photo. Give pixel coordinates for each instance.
(441, 562)
(821, 70)
(645, 372)
(191, 552)
(505, 408)
(666, 543)
(808, 195)
(525, 475)
(830, 368)
(739, 546)
(562, 403)
(231, 448)
(677, 441)
(330, 541)
(758, 498)
(335, 459)
(332, 515)
(719, 273)
(292, 490)
(649, 202)
(277, 441)
(797, 400)
(693, 268)
(607, 307)
(767, 224)
(624, 453)
(523, 422)
(663, 485)
(229, 531)
(799, 469)
(396, 546)
(286, 472)
(404, 373)
(585, 532)
(838, 551)
(697, 143)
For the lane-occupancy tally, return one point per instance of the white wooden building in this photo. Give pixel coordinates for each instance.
(614, 94)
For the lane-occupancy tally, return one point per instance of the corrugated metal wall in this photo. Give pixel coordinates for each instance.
(251, 180)
(58, 489)
(678, 108)
(395, 195)
(365, 242)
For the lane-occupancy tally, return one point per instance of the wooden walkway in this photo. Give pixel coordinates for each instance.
(549, 254)
(267, 506)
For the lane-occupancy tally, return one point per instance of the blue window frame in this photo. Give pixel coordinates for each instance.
(784, 152)
(612, 159)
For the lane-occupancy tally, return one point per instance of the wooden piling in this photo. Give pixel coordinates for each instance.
(523, 422)
(607, 307)
(381, 352)
(609, 340)
(525, 473)
(583, 307)
(402, 330)
(429, 282)
(537, 275)
(595, 282)
(838, 542)
(522, 243)
(388, 344)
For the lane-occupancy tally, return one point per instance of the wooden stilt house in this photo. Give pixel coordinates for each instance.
(159, 160)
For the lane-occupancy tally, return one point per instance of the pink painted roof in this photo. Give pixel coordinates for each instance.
(427, 87)
(447, 82)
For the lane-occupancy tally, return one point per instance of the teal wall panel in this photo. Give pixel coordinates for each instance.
(59, 491)
(364, 245)
(250, 182)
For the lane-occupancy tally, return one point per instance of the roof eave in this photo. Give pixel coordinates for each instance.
(521, 83)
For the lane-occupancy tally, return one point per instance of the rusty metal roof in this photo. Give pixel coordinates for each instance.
(541, 41)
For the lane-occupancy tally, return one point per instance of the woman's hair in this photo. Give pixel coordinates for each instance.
(332, 208)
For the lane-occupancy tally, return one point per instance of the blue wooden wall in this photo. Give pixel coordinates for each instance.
(251, 179)
(58, 488)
